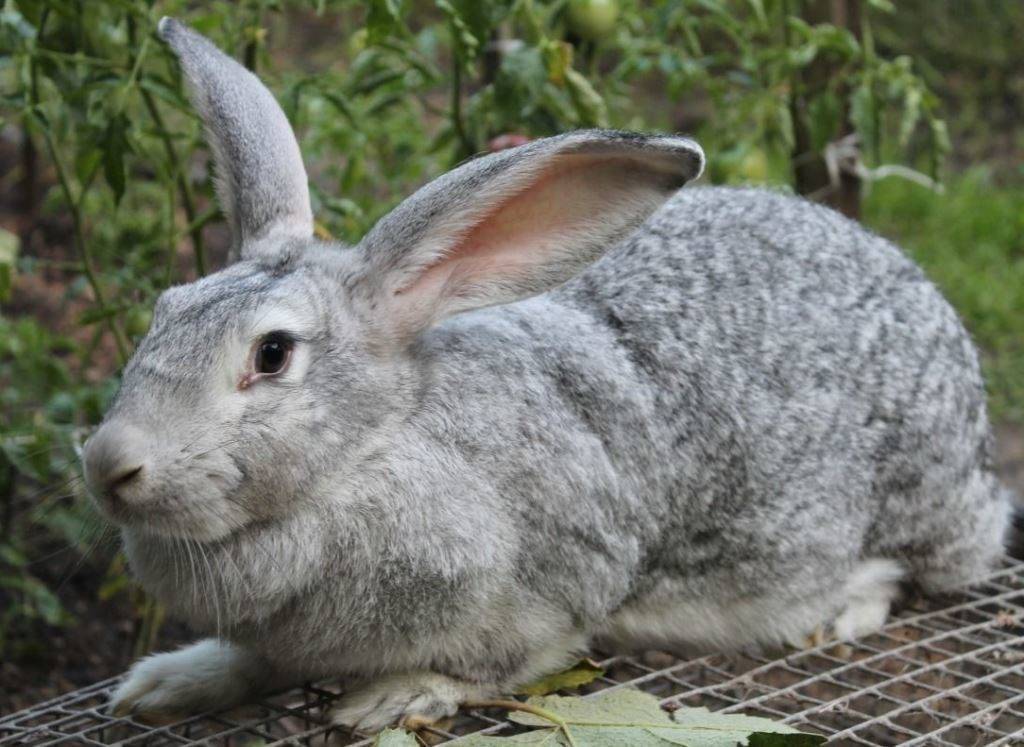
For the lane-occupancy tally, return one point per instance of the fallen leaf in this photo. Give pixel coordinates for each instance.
(586, 670)
(631, 718)
(395, 738)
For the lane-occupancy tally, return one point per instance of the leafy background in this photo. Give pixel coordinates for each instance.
(906, 117)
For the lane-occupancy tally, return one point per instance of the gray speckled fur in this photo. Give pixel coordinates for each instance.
(739, 403)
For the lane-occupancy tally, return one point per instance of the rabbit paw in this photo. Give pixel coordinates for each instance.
(420, 698)
(870, 591)
(205, 676)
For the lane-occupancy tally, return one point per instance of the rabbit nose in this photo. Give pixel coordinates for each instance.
(114, 460)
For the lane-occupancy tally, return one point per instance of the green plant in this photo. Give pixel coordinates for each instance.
(622, 717)
(44, 409)
(115, 177)
(970, 241)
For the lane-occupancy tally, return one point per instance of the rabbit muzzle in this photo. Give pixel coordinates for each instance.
(115, 461)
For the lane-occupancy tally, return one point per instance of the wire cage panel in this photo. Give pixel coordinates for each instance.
(948, 672)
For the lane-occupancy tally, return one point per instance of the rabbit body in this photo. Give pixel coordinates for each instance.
(728, 415)
(530, 410)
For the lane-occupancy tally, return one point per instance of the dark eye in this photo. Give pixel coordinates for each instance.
(272, 354)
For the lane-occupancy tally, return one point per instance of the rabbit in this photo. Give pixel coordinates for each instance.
(550, 401)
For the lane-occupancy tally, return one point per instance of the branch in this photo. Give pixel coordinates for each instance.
(74, 206)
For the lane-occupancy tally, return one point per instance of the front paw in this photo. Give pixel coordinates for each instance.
(419, 698)
(209, 675)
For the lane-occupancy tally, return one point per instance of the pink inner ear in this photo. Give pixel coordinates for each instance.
(532, 228)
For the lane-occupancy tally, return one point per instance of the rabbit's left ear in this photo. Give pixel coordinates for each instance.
(516, 223)
(261, 181)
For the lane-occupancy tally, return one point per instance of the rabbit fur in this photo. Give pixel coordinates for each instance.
(548, 400)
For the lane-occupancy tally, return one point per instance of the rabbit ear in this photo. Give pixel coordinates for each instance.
(517, 223)
(261, 180)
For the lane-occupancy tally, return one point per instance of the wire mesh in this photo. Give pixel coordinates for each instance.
(947, 672)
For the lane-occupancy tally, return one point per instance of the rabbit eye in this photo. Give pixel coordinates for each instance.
(272, 354)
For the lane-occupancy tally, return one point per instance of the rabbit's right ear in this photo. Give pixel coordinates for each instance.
(515, 223)
(261, 179)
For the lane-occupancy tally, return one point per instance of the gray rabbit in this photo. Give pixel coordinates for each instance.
(547, 401)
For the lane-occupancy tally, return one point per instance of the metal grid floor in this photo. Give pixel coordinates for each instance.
(949, 673)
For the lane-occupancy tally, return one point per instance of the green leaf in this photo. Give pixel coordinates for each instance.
(166, 92)
(864, 115)
(700, 727)
(521, 76)
(758, 7)
(557, 59)
(87, 161)
(886, 6)
(911, 114)
(341, 105)
(824, 117)
(546, 737)
(395, 738)
(940, 136)
(481, 17)
(14, 22)
(617, 707)
(588, 102)
(97, 314)
(115, 146)
(12, 555)
(112, 587)
(41, 601)
(803, 55)
(466, 42)
(9, 245)
(383, 19)
(583, 672)
(635, 718)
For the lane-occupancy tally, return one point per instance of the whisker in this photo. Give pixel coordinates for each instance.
(192, 573)
(215, 448)
(212, 590)
(99, 534)
(60, 487)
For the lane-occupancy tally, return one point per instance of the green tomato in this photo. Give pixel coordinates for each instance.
(357, 42)
(137, 321)
(754, 166)
(593, 20)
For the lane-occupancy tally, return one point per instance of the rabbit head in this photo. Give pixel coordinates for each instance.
(257, 385)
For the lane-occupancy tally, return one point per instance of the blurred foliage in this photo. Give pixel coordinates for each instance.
(971, 52)
(970, 241)
(384, 94)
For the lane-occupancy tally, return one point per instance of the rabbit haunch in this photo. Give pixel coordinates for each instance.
(546, 400)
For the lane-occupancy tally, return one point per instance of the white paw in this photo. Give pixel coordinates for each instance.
(870, 590)
(421, 697)
(205, 676)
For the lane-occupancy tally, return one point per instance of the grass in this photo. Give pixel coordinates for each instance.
(970, 240)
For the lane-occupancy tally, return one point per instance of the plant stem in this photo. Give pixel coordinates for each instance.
(28, 182)
(7, 494)
(74, 206)
(149, 627)
(79, 58)
(466, 147)
(251, 51)
(83, 247)
(202, 220)
(138, 59)
(172, 238)
(63, 265)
